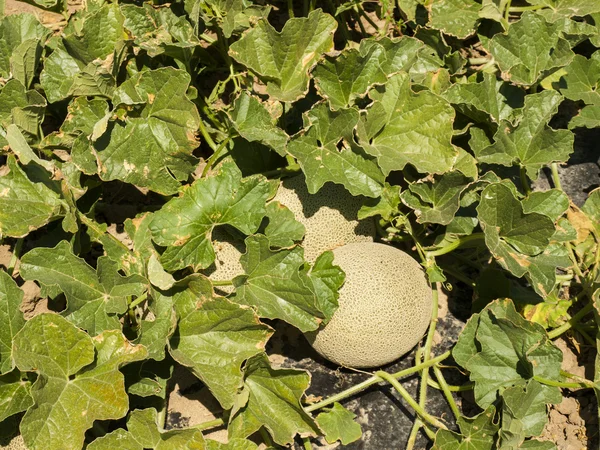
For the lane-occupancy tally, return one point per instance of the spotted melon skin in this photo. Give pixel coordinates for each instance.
(329, 216)
(384, 309)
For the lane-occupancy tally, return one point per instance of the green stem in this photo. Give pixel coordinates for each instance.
(507, 11)
(562, 384)
(141, 299)
(447, 392)
(210, 424)
(211, 160)
(518, 9)
(463, 388)
(207, 38)
(14, 258)
(411, 401)
(412, 438)
(586, 336)
(374, 380)
(572, 321)
(363, 13)
(221, 282)
(94, 226)
(478, 61)
(428, 344)
(566, 374)
(290, 7)
(459, 276)
(306, 444)
(356, 15)
(207, 137)
(460, 242)
(265, 437)
(289, 170)
(555, 176)
(524, 180)
(567, 277)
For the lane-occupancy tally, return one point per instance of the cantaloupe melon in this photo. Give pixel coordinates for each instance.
(384, 307)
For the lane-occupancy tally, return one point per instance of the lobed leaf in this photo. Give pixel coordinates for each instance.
(282, 390)
(283, 59)
(94, 297)
(184, 225)
(78, 380)
(214, 340)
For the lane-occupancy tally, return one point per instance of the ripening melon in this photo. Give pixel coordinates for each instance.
(384, 309)
(329, 216)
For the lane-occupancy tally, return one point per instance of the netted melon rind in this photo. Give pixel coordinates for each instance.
(329, 216)
(384, 307)
(227, 258)
(16, 443)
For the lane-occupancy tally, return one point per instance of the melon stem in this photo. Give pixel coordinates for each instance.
(374, 380)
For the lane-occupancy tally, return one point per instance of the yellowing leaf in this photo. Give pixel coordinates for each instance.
(71, 393)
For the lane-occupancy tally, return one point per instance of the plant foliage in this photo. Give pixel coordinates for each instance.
(134, 135)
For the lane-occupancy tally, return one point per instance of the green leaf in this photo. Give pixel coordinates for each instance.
(166, 125)
(490, 98)
(214, 341)
(158, 31)
(476, 433)
(520, 241)
(12, 319)
(321, 160)
(155, 329)
(232, 16)
(591, 207)
(532, 143)
(338, 424)
(455, 17)
(327, 279)
(78, 380)
(15, 395)
(524, 412)
(568, 8)
(588, 117)
(144, 431)
(436, 202)
(403, 127)
(85, 62)
(405, 54)
(253, 122)
(83, 114)
(185, 224)
(282, 390)
(387, 206)
(283, 59)
(283, 229)
(94, 297)
(501, 349)
(157, 275)
(20, 49)
(22, 108)
(552, 203)
(530, 49)
(277, 286)
(25, 205)
(349, 75)
(582, 79)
